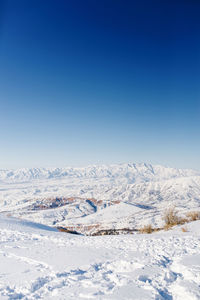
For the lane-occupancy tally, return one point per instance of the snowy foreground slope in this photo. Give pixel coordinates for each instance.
(98, 197)
(37, 261)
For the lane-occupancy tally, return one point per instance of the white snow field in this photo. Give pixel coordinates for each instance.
(39, 262)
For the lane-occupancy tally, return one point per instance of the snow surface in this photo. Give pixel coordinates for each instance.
(37, 262)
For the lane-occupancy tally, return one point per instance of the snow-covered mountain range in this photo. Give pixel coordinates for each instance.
(96, 197)
(130, 172)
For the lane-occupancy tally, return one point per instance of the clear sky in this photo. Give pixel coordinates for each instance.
(91, 82)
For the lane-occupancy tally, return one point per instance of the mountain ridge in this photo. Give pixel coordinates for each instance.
(142, 170)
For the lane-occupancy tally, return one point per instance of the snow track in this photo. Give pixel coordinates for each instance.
(39, 263)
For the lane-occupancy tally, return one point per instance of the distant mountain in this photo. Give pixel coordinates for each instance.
(98, 197)
(130, 172)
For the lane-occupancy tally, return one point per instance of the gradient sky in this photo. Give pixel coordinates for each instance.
(91, 82)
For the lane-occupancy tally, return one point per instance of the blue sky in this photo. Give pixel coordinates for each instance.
(84, 82)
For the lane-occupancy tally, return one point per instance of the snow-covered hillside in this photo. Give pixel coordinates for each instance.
(98, 197)
(37, 262)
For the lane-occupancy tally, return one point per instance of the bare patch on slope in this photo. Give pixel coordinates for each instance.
(55, 202)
